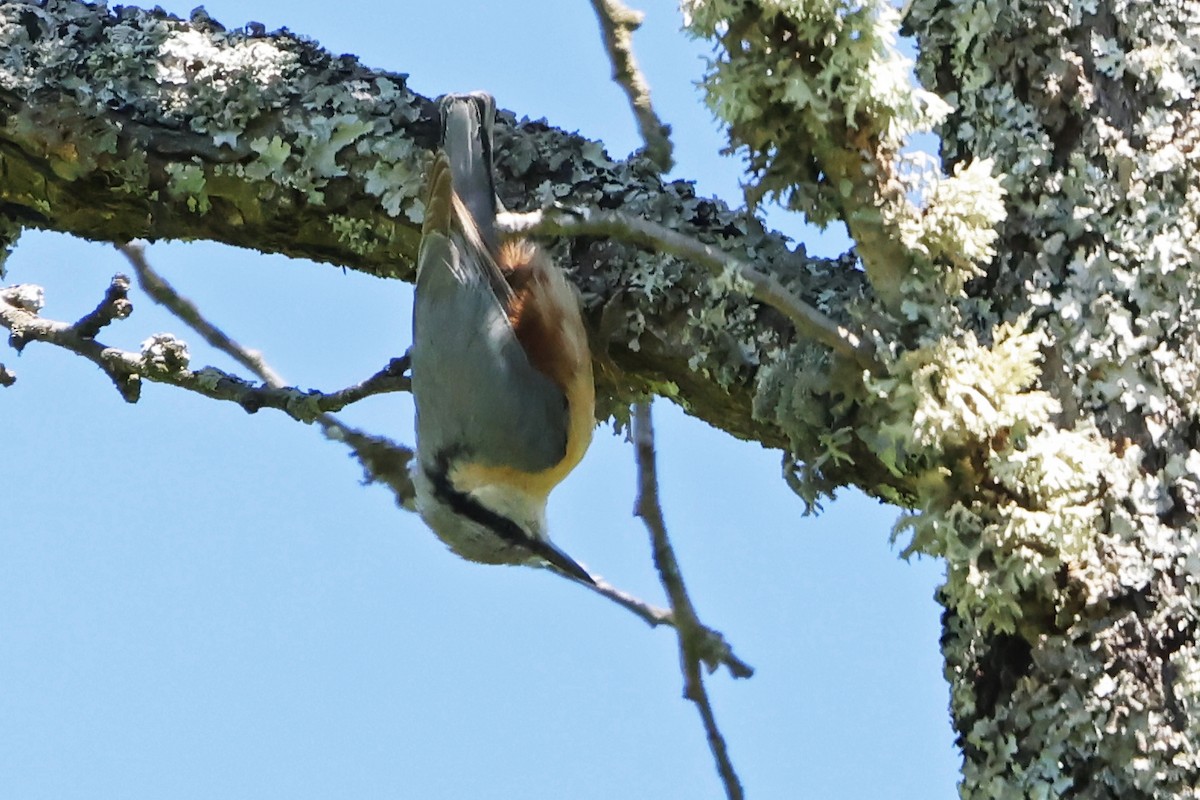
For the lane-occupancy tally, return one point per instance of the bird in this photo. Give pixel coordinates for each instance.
(501, 367)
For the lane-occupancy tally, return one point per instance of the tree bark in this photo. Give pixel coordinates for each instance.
(1092, 689)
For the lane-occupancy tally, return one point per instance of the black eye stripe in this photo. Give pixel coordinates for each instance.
(472, 509)
(467, 506)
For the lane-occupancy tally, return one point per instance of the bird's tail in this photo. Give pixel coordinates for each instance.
(467, 123)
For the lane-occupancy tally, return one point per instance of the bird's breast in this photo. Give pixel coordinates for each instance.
(581, 414)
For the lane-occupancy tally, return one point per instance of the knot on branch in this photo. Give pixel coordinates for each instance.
(114, 306)
(165, 353)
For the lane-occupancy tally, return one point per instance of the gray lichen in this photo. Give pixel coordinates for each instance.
(1073, 562)
(241, 128)
(1037, 345)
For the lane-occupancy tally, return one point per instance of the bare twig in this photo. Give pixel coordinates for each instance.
(763, 287)
(392, 378)
(717, 650)
(617, 23)
(162, 293)
(383, 460)
(114, 306)
(693, 643)
(163, 359)
(18, 313)
(386, 462)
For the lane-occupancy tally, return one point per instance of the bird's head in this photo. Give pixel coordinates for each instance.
(496, 522)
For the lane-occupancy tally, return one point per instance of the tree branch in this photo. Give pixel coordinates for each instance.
(383, 460)
(18, 313)
(617, 24)
(392, 378)
(694, 643)
(164, 359)
(162, 293)
(114, 306)
(718, 651)
(741, 276)
(316, 156)
(823, 134)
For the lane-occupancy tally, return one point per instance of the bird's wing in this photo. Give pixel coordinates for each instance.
(474, 386)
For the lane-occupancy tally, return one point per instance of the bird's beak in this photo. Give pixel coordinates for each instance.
(560, 561)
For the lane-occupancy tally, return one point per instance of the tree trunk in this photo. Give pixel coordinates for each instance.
(1071, 604)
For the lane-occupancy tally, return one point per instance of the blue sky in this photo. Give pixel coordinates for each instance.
(198, 603)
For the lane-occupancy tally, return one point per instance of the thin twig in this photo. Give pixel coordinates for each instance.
(763, 287)
(617, 24)
(164, 360)
(185, 310)
(383, 460)
(717, 651)
(692, 643)
(18, 313)
(392, 378)
(114, 306)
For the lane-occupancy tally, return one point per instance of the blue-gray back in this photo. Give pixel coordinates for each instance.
(476, 393)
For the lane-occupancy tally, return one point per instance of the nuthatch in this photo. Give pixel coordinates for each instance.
(501, 370)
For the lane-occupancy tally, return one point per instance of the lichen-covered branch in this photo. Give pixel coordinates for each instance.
(1068, 518)
(132, 124)
(821, 99)
(163, 359)
(739, 276)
